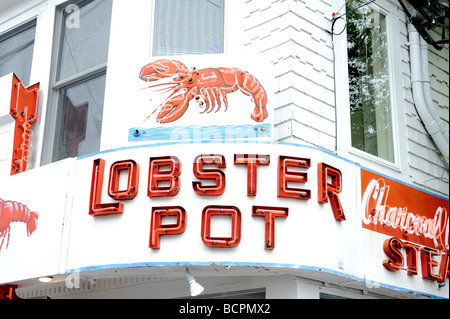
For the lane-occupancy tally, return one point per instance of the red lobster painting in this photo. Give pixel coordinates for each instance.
(205, 86)
(15, 212)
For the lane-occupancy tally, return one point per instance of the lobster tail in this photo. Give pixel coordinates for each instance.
(251, 86)
(23, 214)
(11, 211)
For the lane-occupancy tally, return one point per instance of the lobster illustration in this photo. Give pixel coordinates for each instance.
(205, 86)
(15, 212)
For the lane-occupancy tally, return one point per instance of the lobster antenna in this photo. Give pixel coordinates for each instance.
(160, 84)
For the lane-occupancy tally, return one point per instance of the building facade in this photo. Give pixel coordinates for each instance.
(141, 140)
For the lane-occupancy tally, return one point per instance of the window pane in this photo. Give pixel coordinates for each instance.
(16, 54)
(80, 119)
(368, 71)
(85, 45)
(188, 27)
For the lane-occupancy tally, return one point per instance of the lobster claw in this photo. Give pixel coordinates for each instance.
(162, 68)
(32, 223)
(173, 109)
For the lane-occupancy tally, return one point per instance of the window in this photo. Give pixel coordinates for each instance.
(188, 27)
(78, 89)
(16, 52)
(369, 81)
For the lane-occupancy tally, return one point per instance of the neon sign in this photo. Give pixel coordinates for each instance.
(418, 222)
(164, 181)
(398, 210)
(396, 261)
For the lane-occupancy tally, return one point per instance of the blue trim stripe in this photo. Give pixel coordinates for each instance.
(251, 264)
(197, 132)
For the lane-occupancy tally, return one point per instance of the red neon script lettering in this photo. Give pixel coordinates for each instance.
(376, 211)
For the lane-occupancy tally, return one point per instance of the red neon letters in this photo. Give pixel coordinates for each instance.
(206, 173)
(157, 228)
(223, 242)
(132, 169)
(8, 292)
(252, 161)
(393, 249)
(95, 206)
(164, 180)
(269, 214)
(286, 177)
(330, 190)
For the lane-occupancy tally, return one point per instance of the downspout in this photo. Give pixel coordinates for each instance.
(431, 125)
(426, 83)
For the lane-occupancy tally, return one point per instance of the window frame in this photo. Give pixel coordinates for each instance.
(343, 138)
(57, 87)
(225, 31)
(15, 30)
